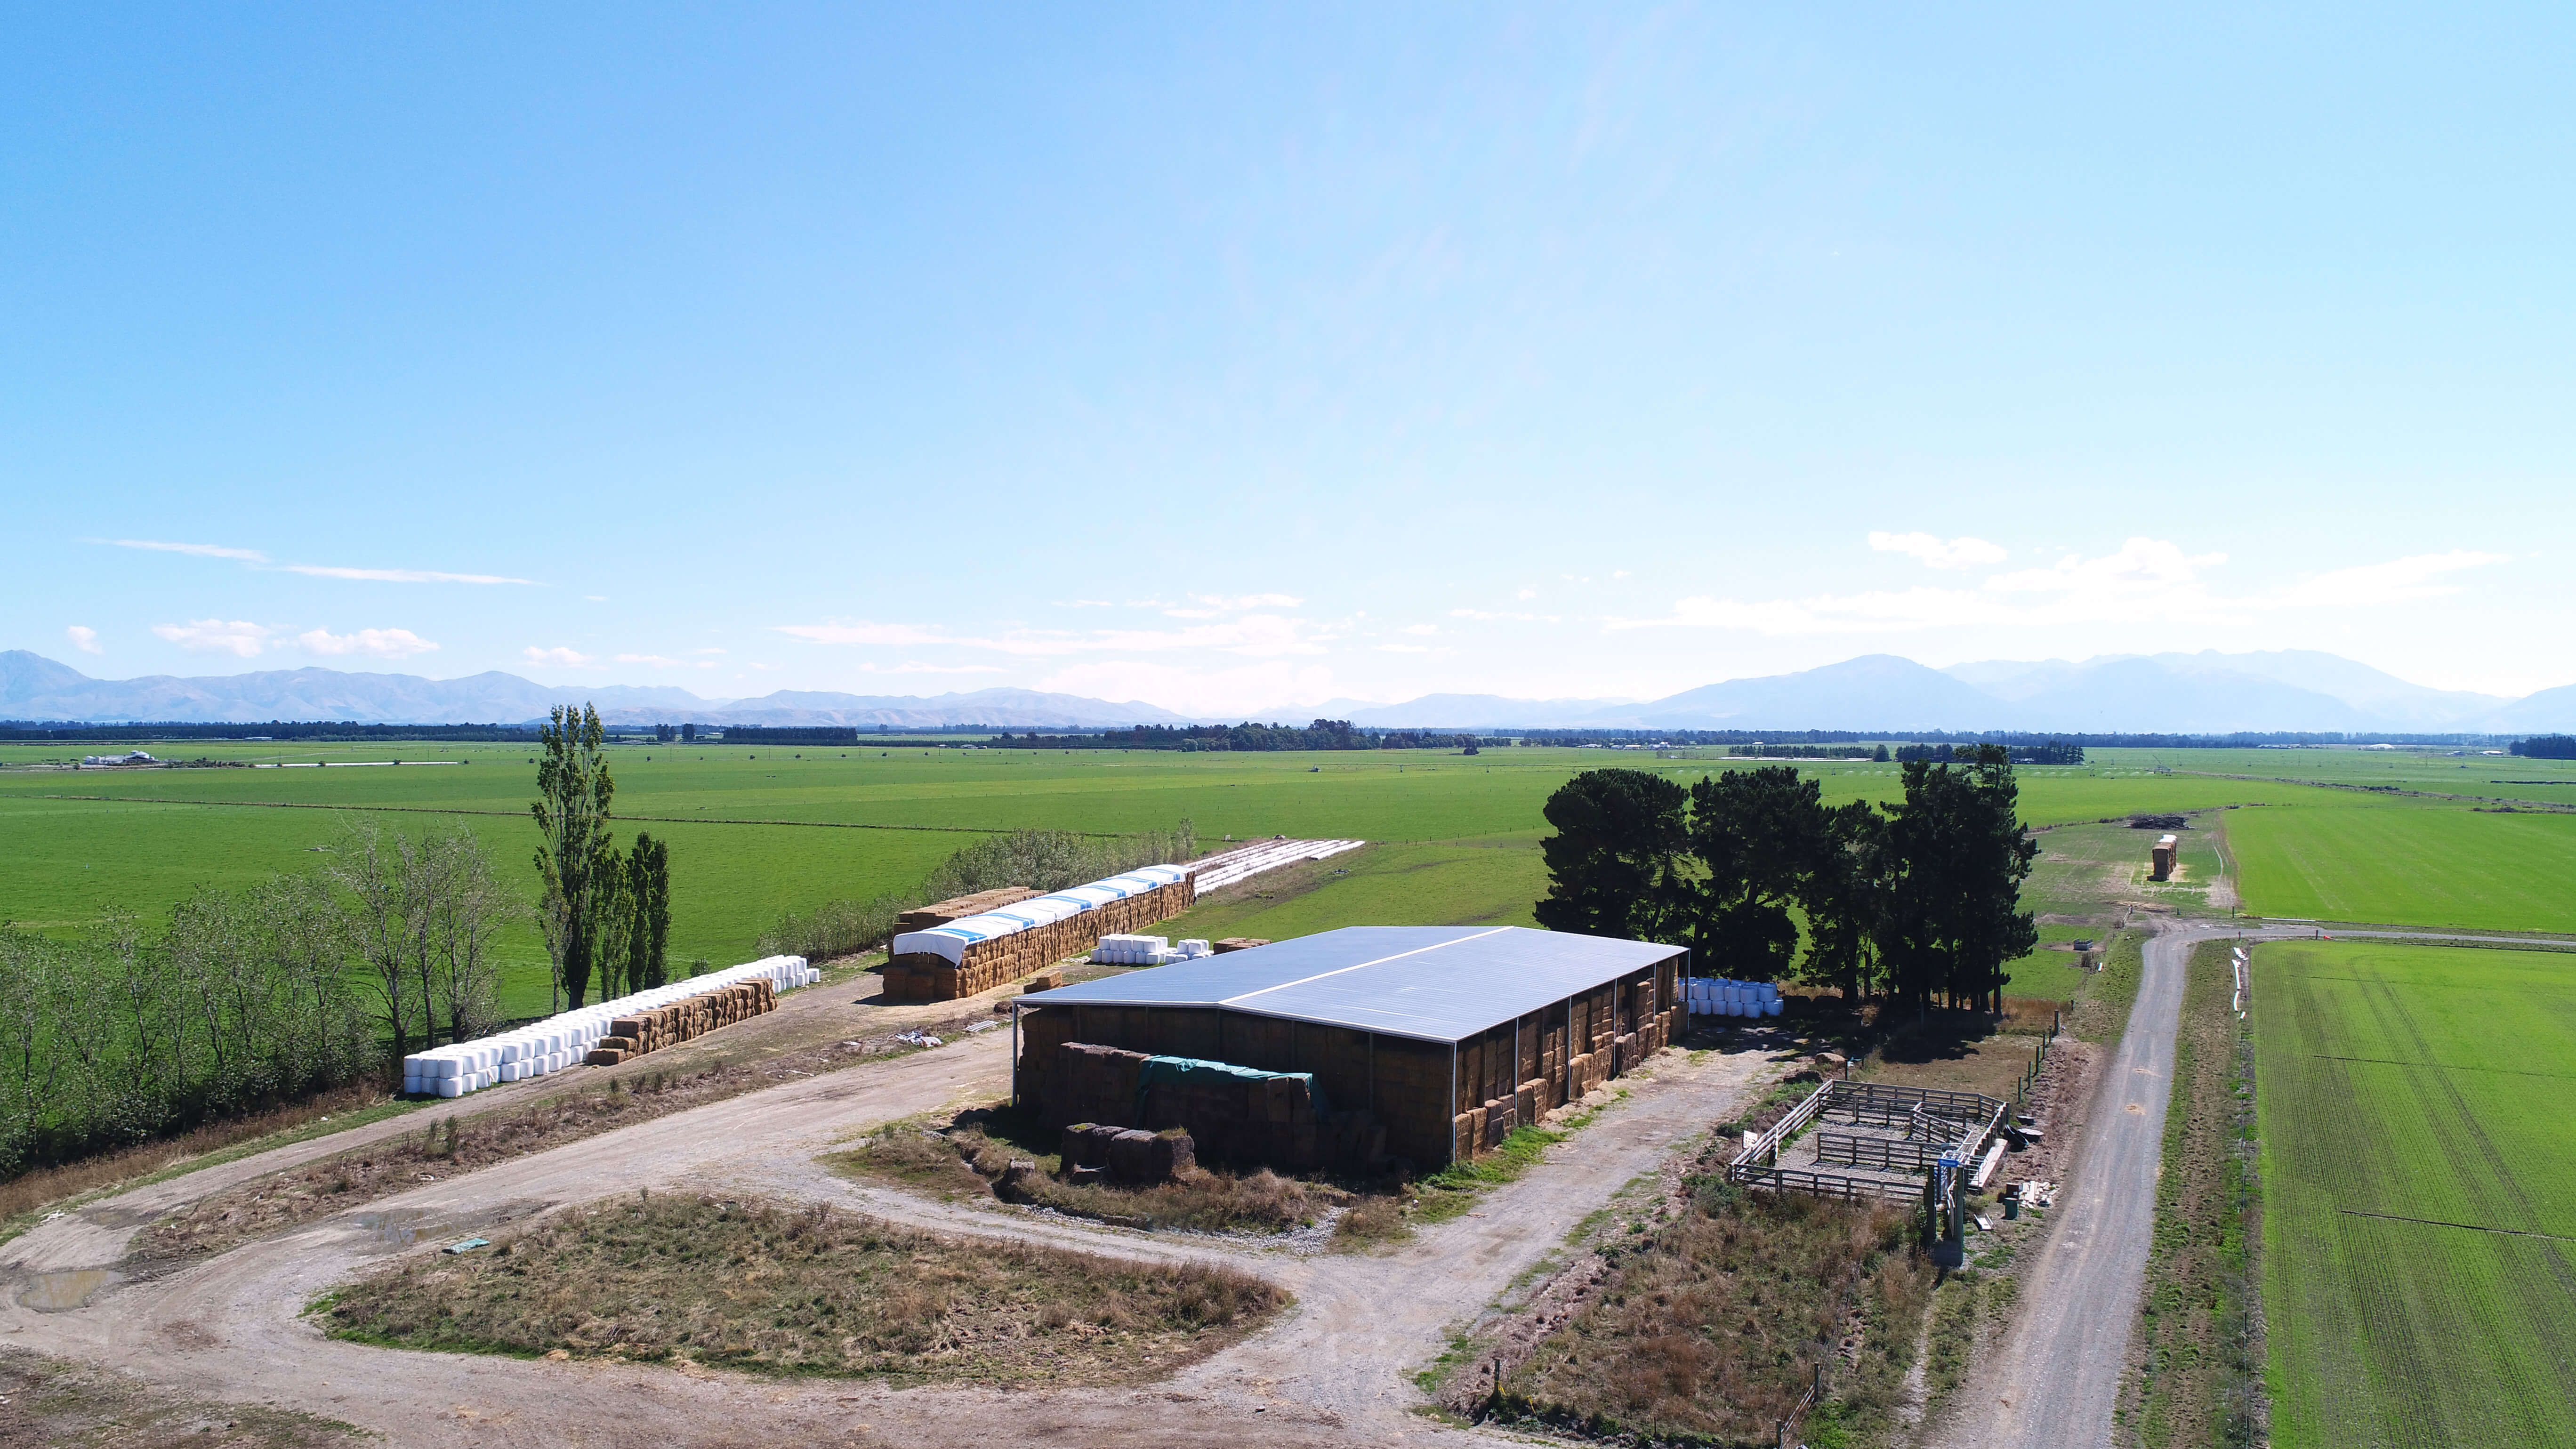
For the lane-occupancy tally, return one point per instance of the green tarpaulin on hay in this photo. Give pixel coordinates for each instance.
(1179, 1071)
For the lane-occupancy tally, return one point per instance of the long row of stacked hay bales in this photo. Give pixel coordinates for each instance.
(572, 1038)
(972, 944)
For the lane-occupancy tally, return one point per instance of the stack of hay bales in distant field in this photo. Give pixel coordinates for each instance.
(656, 1027)
(1426, 1043)
(2168, 850)
(963, 955)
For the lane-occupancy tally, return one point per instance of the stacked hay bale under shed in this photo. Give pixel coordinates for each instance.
(965, 955)
(1232, 1113)
(1448, 1037)
(654, 1028)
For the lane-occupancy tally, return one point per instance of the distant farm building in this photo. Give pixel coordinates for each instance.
(132, 757)
(1426, 1043)
(2168, 849)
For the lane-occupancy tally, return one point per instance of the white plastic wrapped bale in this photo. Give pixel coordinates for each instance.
(560, 1040)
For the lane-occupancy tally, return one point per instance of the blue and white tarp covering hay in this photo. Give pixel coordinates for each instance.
(1717, 996)
(560, 1041)
(949, 942)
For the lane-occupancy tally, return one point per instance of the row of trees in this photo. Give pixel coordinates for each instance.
(245, 997)
(606, 914)
(1046, 860)
(2546, 747)
(1919, 900)
(1322, 734)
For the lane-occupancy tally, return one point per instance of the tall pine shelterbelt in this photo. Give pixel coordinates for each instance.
(1612, 864)
(1757, 834)
(1840, 895)
(1957, 856)
(582, 909)
(648, 894)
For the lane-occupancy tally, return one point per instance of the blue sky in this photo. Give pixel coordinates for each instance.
(1235, 358)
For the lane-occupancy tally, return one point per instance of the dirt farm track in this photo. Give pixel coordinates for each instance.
(1330, 1372)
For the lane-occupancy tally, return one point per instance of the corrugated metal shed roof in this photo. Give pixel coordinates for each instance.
(1432, 983)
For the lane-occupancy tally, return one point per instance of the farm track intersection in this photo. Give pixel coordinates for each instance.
(1330, 1372)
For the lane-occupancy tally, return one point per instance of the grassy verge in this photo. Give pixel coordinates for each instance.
(49, 1401)
(760, 1287)
(971, 1156)
(2102, 1001)
(2199, 1379)
(25, 1200)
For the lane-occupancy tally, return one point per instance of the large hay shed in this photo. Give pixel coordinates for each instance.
(1449, 1036)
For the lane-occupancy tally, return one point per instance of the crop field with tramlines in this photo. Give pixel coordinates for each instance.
(2415, 864)
(2419, 1193)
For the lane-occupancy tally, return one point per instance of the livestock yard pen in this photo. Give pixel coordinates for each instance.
(1444, 1037)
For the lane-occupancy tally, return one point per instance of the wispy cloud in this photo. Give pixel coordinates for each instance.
(84, 638)
(1421, 628)
(259, 560)
(1490, 614)
(2145, 578)
(396, 576)
(374, 643)
(1956, 553)
(560, 655)
(217, 636)
(200, 550)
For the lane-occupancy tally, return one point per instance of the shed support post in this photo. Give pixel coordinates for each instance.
(1015, 1054)
(1453, 1101)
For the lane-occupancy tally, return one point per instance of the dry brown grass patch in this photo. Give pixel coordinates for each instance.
(1714, 1323)
(757, 1286)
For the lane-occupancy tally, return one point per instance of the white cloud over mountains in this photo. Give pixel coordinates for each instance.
(2145, 578)
(246, 640)
(373, 643)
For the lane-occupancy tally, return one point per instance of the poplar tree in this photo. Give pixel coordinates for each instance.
(577, 861)
(648, 893)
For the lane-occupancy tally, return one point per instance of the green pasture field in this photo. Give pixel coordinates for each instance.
(2418, 1173)
(756, 830)
(2433, 769)
(2416, 865)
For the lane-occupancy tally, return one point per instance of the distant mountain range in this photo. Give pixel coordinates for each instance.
(2205, 693)
(33, 687)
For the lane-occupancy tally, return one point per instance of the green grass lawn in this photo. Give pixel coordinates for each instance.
(2419, 1193)
(2416, 865)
